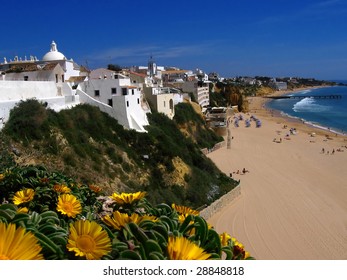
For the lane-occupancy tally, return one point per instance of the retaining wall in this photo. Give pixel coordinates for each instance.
(217, 205)
(215, 147)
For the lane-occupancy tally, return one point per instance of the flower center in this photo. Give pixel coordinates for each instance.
(68, 207)
(3, 257)
(86, 243)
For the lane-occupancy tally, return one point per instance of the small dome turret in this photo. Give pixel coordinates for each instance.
(53, 54)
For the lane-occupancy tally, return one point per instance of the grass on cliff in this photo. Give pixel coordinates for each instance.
(87, 144)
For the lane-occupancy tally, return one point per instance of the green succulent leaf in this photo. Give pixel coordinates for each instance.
(152, 246)
(129, 255)
(7, 214)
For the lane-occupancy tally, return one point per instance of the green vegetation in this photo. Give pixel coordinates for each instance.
(49, 216)
(232, 94)
(29, 121)
(186, 117)
(93, 148)
(114, 67)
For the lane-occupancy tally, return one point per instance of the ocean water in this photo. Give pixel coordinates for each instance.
(324, 113)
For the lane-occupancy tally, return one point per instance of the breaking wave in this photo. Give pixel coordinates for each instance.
(309, 105)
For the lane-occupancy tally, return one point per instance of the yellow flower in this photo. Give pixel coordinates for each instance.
(127, 198)
(180, 248)
(238, 248)
(237, 243)
(119, 220)
(23, 210)
(184, 210)
(247, 255)
(17, 244)
(2, 176)
(88, 239)
(136, 218)
(69, 205)
(61, 188)
(23, 196)
(225, 238)
(182, 218)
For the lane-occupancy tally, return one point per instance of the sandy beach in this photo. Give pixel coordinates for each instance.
(293, 202)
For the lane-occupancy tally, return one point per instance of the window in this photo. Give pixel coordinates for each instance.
(96, 92)
(56, 78)
(110, 102)
(164, 104)
(26, 78)
(62, 78)
(138, 100)
(114, 90)
(127, 103)
(124, 91)
(132, 92)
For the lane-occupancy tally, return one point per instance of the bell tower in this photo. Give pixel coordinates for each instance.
(152, 67)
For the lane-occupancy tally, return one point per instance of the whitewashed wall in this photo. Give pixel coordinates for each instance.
(130, 118)
(127, 108)
(21, 90)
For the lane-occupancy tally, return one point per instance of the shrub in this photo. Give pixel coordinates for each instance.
(50, 207)
(28, 121)
(89, 135)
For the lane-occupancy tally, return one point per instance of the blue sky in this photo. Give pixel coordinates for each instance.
(234, 38)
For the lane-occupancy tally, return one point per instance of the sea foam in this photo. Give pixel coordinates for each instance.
(309, 105)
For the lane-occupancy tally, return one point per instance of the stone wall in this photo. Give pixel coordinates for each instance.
(215, 147)
(217, 205)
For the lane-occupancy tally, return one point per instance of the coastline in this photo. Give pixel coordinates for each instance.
(293, 203)
(319, 127)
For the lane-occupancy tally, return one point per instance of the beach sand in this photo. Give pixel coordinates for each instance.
(293, 202)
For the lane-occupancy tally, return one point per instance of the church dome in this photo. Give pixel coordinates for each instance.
(53, 54)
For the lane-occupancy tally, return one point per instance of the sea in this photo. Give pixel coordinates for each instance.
(329, 114)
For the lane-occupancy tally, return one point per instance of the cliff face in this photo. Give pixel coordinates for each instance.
(91, 147)
(261, 91)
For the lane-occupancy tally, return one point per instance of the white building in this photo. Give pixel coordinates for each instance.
(44, 80)
(70, 68)
(61, 83)
(200, 90)
(114, 94)
(278, 85)
(161, 100)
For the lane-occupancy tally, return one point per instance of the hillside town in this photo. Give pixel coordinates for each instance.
(125, 94)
